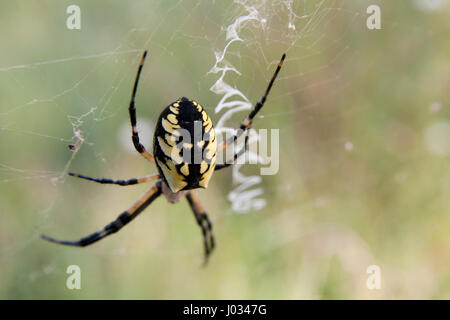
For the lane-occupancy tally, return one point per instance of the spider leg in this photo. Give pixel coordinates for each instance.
(128, 215)
(135, 135)
(247, 123)
(128, 182)
(243, 150)
(203, 221)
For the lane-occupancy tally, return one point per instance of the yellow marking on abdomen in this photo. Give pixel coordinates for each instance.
(171, 152)
(203, 166)
(171, 140)
(172, 118)
(208, 125)
(174, 180)
(185, 169)
(211, 149)
(207, 175)
(168, 126)
(201, 143)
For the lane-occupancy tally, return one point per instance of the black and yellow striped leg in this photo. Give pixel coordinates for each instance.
(128, 182)
(117, 224)
(135, 135)
(247, 123)
(235, 156)
(203, 221)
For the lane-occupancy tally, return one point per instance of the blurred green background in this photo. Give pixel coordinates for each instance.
(364, 149)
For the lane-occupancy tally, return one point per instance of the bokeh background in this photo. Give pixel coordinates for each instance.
(364, 119)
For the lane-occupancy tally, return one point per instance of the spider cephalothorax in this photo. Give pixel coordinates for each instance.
(184, 146)
(184, 150)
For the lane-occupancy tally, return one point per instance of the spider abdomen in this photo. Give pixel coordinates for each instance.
(184, 146)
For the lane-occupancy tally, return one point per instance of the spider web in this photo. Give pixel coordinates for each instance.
(76, 94)
(72, 89)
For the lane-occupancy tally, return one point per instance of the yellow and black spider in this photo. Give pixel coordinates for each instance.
(184, 150)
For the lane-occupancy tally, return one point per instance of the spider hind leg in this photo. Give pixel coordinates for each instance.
(122, 220)
(203, 221)
(128, 182)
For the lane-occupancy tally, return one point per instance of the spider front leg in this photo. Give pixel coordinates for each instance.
(117, 224)
(243, 150)
(128, 182)
(135, 135)
(247, 123)
(203, 221)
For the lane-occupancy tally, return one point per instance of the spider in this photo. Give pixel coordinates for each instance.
(184, 151)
